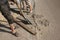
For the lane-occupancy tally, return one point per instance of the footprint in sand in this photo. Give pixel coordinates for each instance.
(42, 20)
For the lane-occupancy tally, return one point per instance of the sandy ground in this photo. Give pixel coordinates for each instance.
(45, 10)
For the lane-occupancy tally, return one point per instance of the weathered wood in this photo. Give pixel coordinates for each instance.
(26, 28)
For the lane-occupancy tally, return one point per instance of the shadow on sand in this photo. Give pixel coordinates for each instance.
(3, 30)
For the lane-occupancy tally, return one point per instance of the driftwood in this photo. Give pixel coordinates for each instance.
(26, 28)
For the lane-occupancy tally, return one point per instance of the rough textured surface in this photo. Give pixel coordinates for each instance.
(47, 15)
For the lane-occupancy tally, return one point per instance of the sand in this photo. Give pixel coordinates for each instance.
(47, 19)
